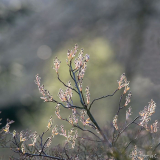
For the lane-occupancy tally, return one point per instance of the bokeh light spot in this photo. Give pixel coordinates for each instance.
(44, 52)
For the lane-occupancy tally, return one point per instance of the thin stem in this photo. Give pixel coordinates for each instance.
(65, 84)
(99, 129)
(137, 135)
(119, 107)
(66, 152)
(45, 144)
(70, 70)
(72, 106)
(41, 143)
(86, 130)
(38, 155)
(77, 126)
(132, 140)
(102, 98)
(125, 129)
(156, 146)
(74, 78)
(83, 98)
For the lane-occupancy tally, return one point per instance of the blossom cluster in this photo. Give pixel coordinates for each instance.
(71, 53)
(136, 154)
(147, 113)
(154, 127)
(115, 122)
(56, 63)
(70, 137)
(128, 112)
(47, 97)
(7, 126)
(73, 118)
(128, 99)
(83, 118)
(87, 95)
(123, 83)
(33, 138)
(80, 66)
(66, 96)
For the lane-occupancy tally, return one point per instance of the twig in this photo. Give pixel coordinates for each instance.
(119, 107)
(41, 143)
(77, 126)
(65, 106)
(66, 153)
(156, 146)
(99, 129)
(40, 155)
(132, 140)
(102, 98)
(125, 129)
(65, 84)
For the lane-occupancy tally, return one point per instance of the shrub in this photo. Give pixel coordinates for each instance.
(115, 141)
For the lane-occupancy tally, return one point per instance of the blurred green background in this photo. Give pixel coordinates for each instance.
(120, 36)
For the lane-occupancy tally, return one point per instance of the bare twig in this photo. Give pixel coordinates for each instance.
(119, 107)
(102, 98)
(132, 140)
(116, 138)
(77, 126)
(38, 155)
(65, 84)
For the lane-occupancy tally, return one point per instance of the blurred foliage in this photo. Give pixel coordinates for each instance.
(11, 12)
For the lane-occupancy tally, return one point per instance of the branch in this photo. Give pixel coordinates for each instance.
(102, 98)
(41, 143)
(119, 107)
(77, 126)
(88, 111)
(86, 130)
(124, 129)
(66, 152)
(156, 146)
(74, 78)
(65, 84)
(65, 106)
(132, 140)
(39, 155)
(99, 129)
